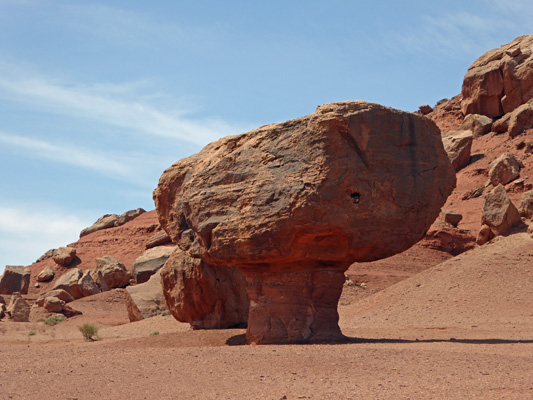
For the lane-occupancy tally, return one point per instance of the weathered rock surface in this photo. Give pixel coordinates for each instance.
(104, 222)
(504, 169)
(450, 217)
(525, 208)
(150, 262)
(46, 255)
(46, 275)
(479, 124)
(449, 239)
(294, 204)
(458, 146)
(59, 293)
(145, 300)
(69, 282)
(159, 238)
(206, 296)
(112, 272)
(18, 309)
(87, 285)
(64, 255)
(15, 279)
(521, 119)
(485, 234)
(53, 304)
(425, 109)
(499, 213)
(128, 216)
(500, 80)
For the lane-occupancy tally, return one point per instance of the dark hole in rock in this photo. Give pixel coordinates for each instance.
(356, 197)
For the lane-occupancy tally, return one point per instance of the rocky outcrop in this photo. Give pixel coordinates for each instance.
(293, 204)
(15, 279)
(500, 80)
(64, 256)
(206, 296)
(145, 300)
(479, 125)
(449, 239)
(104, 222)
(129, 216)
(18, 309)
(158, 239)
(47, 274)
(499, 213)
(504, 169)
(110, 273)
(525, 208)
(150, 262)
(458, 146)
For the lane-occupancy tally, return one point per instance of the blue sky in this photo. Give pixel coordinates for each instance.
(98, 98)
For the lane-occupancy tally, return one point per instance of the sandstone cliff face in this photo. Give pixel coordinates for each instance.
(294, 204)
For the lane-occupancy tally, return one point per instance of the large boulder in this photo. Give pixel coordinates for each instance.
(15, 279)
(18, 309)
(53, 304)
(110, 273)
(87, 285)
(150, 262)
(206, 296)
(145, 300)
(58, 293)
(504, 169)
(70, 283)
(479, 124)
(64, 255)
(500, 80)
(104, 222)
(293, 204)
(499, 213)
(458, 146)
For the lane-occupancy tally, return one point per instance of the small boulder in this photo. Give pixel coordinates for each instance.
(59, 293)
(525, 208)
(46, 255)
(45, 275)
(521, 119)
(64, 255)
(18, 309)
(69, 282)
(150, 262)
(88, 286)
(502, 125)
(104, 222)
(504, 169)
(458, 145)
(450, 217)
(128, 216)
(53, 304)
(159, 238)
(485, 234)
(479, 124)
(15, 279)
(145, 300)
(113, 273)
(425, 109)
(499, 213)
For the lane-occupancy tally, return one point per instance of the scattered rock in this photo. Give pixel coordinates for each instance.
(521, 119)
(479, 124)
(525, 208)
(160, 238)
(113, 272)
(449, 239)
(69, 282)
(15, 279)
(69, 312)
(58, 293)
(474, 193)
(425, 109)
(129, 216)
(499, 213)
(45, 275)
(64, 255)
(145, 300)
(150, 262)
(104, 222)
(46, 255)
(502, 125)
(294, 204)
(87, 285)
(504, 169)
(497, 82)
(458, 145)
(450, 217)
(18, 309)
(53, 304)
(207, 297)
(485, 234)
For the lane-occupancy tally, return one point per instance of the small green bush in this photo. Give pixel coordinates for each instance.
(165, 313)
(154, 333)
(89, 332)
(54, 319)
(31, 333)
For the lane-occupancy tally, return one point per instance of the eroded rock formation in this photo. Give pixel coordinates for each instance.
(293, 204)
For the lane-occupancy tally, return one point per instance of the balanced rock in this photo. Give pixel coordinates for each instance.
(18, 309)
(104, 222)
(500, 80)
(129, 216)
(499, 213)
(64, 255)
(504, 169)
(293, 204)
(145, 300)
(15, 279)
(458, 146)
(479, 124)
(159, 238)
(525, 208)
(150, 262)
(110, 273)
(45, 275)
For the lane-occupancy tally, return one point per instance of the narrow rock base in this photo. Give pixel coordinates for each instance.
(294, 304)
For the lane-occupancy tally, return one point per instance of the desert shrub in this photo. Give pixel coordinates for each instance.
(31, 333)
(154, 333)
(54, 319)
(165, 313)
(89, 332)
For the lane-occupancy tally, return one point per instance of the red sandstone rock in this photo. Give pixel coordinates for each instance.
(15, 279)
(158, 239)
(525, 207)
(46, 274)
(294, 204)
(500, 80)
(499, 213)
(504, 169)
(521, 119)
(145, 300)
(104, 222)
(64, 255)
(110, 273)
(479, 124)
(458, 146)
